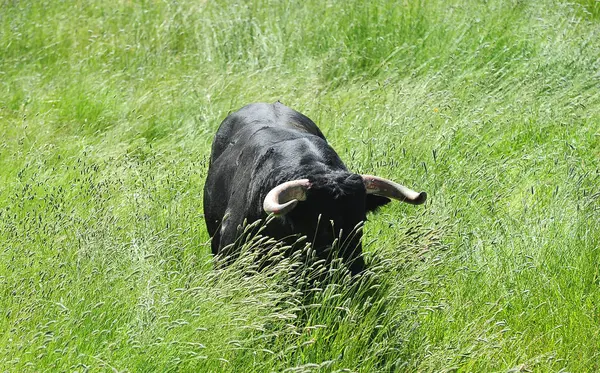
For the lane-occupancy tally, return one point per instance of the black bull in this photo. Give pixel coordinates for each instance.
(268, 158)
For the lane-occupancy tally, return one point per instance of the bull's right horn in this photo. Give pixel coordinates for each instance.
(387, 188)
(284, 197)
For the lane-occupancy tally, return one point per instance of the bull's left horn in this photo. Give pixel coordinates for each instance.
(284, 197)
(387, 188)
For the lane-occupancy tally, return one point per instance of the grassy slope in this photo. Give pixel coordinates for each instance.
(107, 113)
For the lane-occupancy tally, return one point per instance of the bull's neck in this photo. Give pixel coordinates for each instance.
(313, 171)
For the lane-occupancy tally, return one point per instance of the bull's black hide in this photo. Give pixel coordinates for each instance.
(263, 146)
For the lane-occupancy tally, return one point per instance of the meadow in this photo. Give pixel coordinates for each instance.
(107, 113)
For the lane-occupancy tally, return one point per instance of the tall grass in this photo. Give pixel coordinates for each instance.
(107, 112)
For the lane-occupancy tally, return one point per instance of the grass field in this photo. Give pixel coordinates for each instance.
(107, 112)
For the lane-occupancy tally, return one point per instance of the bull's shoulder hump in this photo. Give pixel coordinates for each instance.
(276, 119)
(296, 120)
(276, 115)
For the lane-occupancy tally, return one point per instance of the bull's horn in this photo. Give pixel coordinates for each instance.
(387, 188)
(284, 197)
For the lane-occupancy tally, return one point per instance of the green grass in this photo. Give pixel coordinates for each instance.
(107, 112)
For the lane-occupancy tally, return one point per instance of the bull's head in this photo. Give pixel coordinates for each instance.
(284, 197)
(324, 218)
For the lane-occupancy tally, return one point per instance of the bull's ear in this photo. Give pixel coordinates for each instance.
(374, 202)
